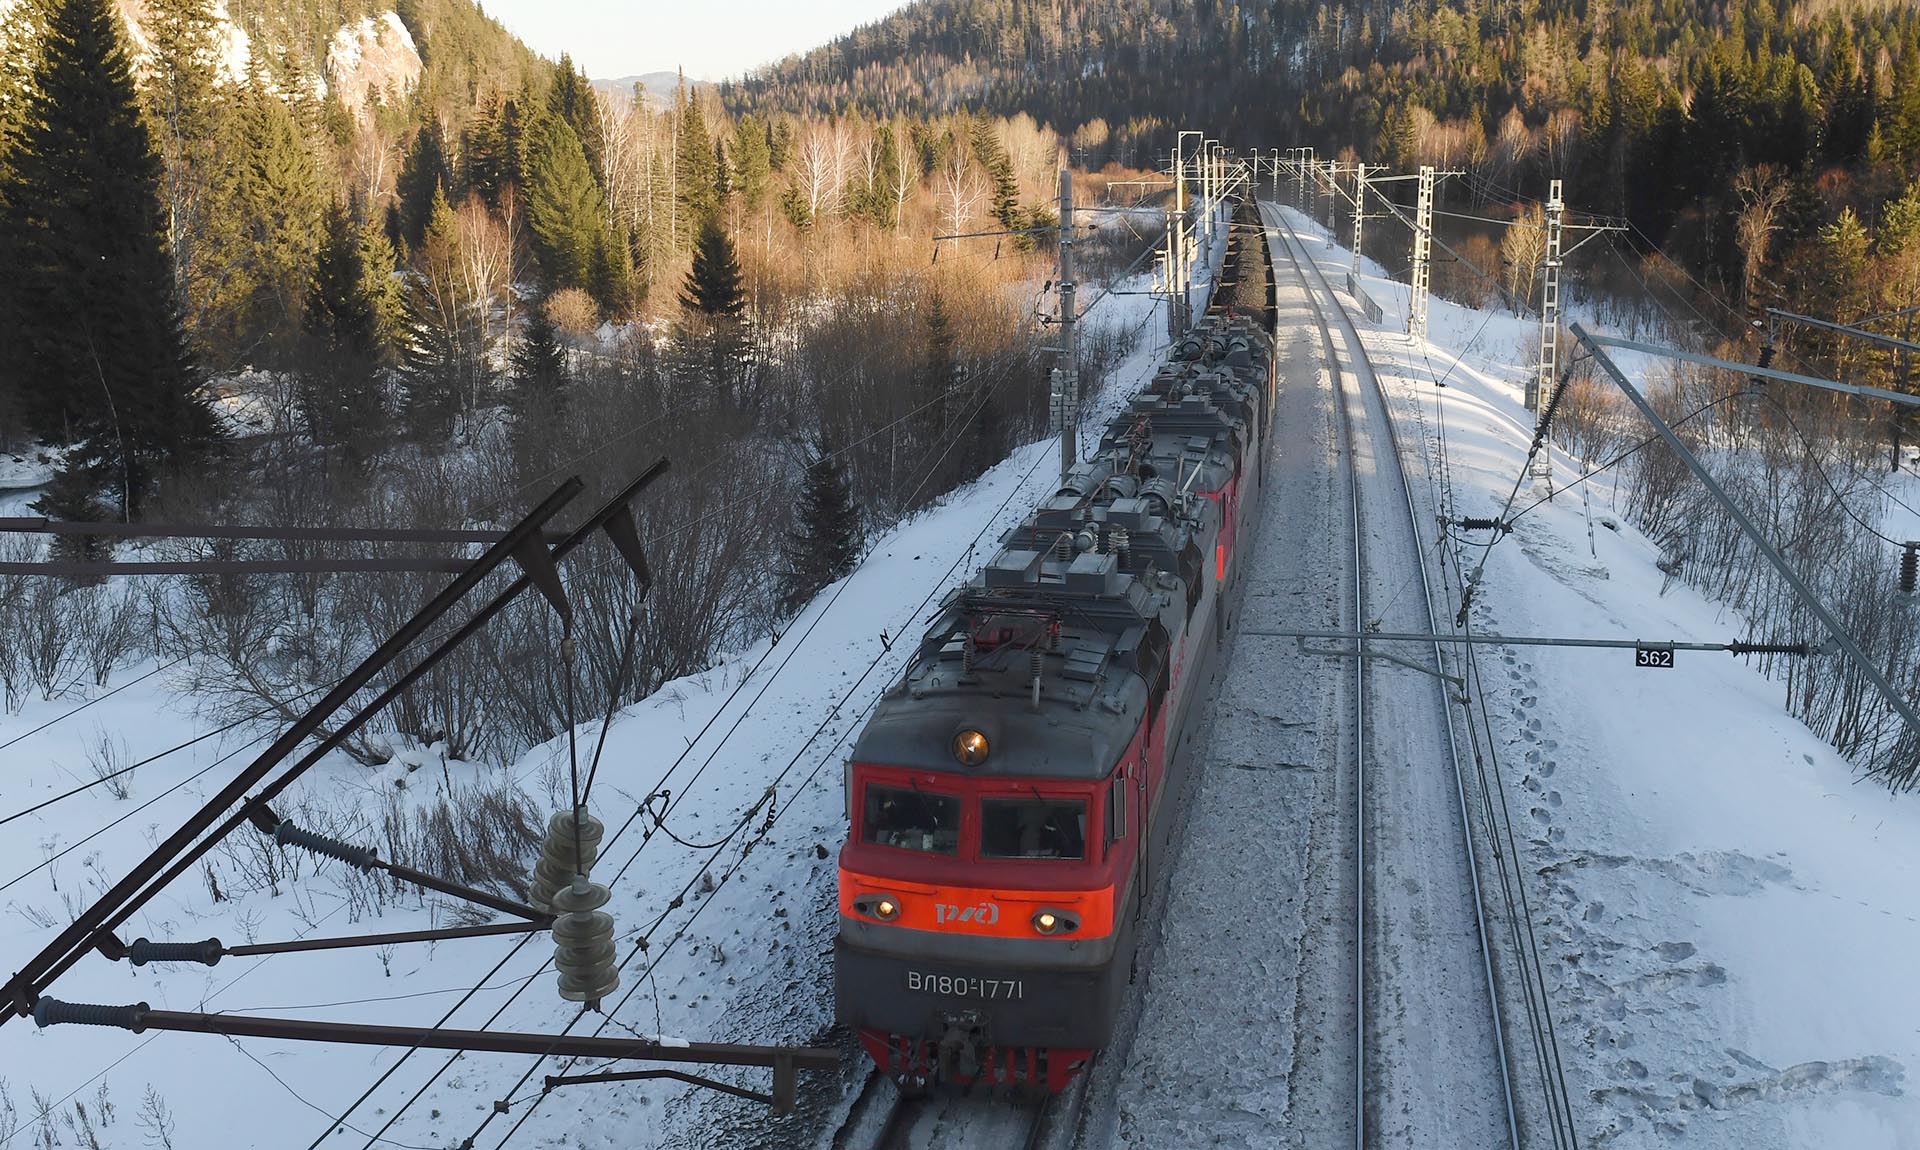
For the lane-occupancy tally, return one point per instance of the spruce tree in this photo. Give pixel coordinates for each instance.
(714, 287)
(693, 174)
(752, 163)
(279, 195)
(572, 100)
(537, 397)
(383, 289)
(936, 375)
(885, 208)
(999, 168)
(93, 337)
(185, 110)
(424, 174)
(714, 298)
(438, 353)
(610, 275)
(564, 208)
(826, 537)
(340, 389)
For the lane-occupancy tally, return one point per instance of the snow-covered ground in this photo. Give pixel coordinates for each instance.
(736, 937)
(1727, 917)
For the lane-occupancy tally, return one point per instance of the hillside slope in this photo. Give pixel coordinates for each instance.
(1652, 109)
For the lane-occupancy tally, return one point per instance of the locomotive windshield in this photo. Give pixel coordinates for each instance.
(912, 820)
(1033, 828)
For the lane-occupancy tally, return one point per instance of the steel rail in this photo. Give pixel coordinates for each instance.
(1285, 234)
(1361, 360)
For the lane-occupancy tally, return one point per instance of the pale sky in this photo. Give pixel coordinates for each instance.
(711, 39)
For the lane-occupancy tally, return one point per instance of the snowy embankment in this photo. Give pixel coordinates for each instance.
(726, 942)
(1727, 917)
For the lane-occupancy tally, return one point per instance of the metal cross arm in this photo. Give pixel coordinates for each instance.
(1600, 341)
(1734, 647)
(1838, 329)
(139, 1017)
(1865, 665)
(1594, 232)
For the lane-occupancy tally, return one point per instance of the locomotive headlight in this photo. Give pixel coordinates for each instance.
(880, 906)
(970, 747)
(1051, 921)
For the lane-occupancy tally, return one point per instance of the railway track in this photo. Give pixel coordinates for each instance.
(1392, 1109)
(884, 1119)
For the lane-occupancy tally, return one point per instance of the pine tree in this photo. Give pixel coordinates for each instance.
(826, 537)
(340, 390)
(93, 338)
(714, 287)
(564, 208)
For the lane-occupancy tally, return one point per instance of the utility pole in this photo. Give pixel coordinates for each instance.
(1300, 187)
(1542, 380)
(1333, 194)
(1359, 212)
(1207, 192)
(1173, 281)
(1066, 388)
(1422, 255)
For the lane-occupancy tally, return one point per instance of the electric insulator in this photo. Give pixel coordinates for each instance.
(359, 858)
(1063, 548)
(1118, 543)
(583, 950)
(1909, 567)
(1766, 356)
(562, 855)
(967, 653)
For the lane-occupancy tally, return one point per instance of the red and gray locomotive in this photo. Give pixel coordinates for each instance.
(1009, 801)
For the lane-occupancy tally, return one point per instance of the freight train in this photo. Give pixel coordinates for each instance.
(1011, 800)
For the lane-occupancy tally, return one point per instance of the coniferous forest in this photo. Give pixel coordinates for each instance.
(330, 263)
(1770, 146)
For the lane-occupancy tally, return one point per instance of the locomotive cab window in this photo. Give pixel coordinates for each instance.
(1117, 809)
(911, 820)
(1033, 828)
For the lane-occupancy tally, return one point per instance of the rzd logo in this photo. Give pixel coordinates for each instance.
(987, 913)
